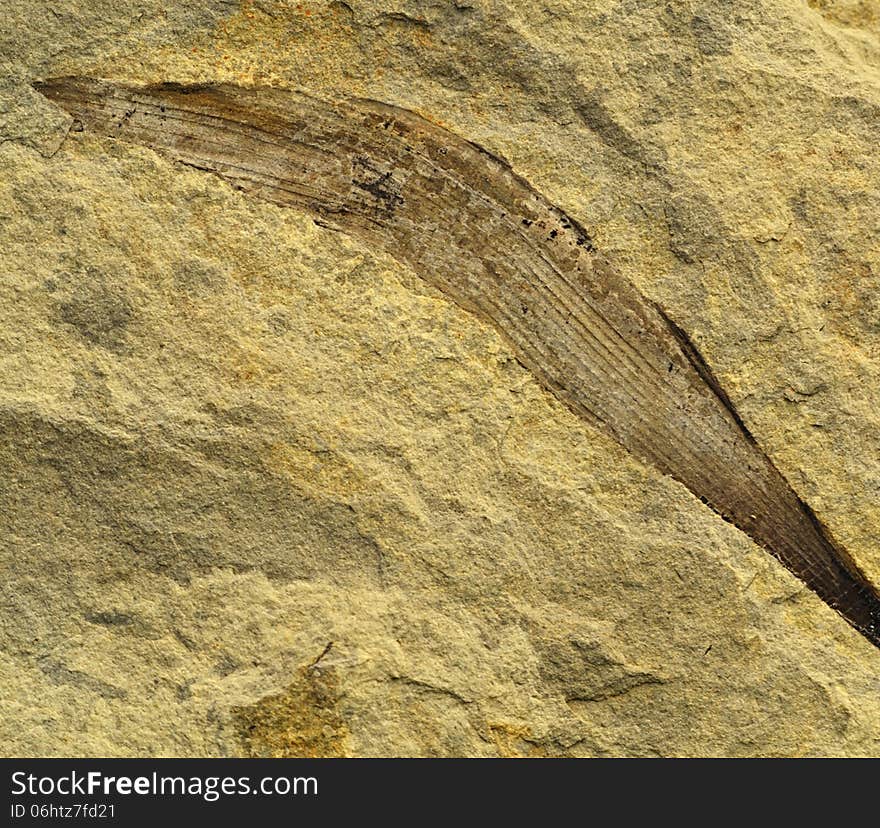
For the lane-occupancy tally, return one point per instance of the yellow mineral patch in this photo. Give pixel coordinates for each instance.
(300, 722)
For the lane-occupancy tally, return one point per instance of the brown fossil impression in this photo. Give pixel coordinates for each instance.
(467, 224)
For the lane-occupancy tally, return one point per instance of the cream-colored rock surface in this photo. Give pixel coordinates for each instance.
(263, 492)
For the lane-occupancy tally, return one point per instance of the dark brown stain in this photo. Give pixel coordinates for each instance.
(470, 226)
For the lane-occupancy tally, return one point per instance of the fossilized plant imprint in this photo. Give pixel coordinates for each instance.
(466, 223)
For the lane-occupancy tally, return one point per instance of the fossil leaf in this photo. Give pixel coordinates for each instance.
(466, 223)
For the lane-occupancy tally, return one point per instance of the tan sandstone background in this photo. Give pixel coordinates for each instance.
(263, 492)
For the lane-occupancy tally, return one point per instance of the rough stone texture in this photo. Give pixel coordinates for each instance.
(229, 437)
